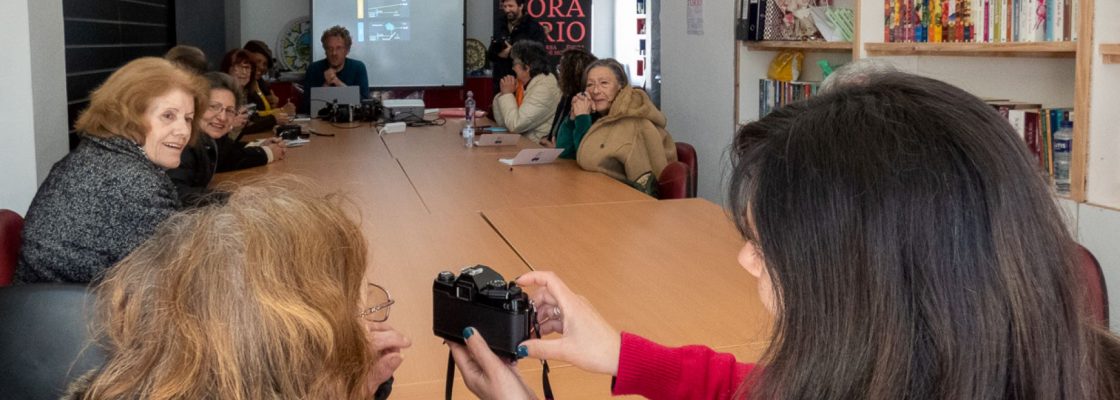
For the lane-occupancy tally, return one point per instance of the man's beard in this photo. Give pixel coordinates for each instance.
(512, 16)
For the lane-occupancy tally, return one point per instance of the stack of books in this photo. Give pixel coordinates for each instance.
(773, 94)
(1036, 125)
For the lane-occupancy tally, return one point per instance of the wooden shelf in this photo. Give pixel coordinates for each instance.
(1110, 53)
(774, 45)
(1024, 49)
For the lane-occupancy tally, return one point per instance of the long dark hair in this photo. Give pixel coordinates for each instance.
(570, 74)
(916, 252)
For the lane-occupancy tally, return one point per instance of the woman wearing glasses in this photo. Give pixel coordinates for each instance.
(215, 151)
(258, 298)
(908, 248)
(241, 65)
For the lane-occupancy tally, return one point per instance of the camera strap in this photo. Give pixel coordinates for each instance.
(450, 381)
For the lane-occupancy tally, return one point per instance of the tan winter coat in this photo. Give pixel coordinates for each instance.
(534, 118)
(630, 143)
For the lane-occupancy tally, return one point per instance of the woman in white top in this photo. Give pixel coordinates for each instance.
(527, 103)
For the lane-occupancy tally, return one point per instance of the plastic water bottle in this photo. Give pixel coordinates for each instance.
(1063, 140)
(468, 108)
(468, 134)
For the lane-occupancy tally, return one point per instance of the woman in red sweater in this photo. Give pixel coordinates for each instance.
(908, 248)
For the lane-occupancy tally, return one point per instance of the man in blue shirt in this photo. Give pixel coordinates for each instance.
(336, 69)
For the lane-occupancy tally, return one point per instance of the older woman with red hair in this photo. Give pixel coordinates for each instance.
(107, 196)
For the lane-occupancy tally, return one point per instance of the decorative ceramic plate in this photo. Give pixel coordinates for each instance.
(476, 55)
(294, 44)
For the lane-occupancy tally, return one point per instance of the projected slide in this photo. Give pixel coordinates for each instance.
(388, 30)
(386, 20)
(387, 8)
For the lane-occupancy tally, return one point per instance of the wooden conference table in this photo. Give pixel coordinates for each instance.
(664, 269)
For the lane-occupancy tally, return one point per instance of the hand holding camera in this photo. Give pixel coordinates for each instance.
(486, 375)
(479, 298)
(587, 340)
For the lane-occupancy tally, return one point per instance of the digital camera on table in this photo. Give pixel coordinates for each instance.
(335, 112)
(291, 132)
(479, 297)
(368, 110)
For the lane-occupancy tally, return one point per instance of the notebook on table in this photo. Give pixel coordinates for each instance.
(497, 139)
(533, 157)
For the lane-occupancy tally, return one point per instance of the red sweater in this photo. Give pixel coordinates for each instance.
(691, 372)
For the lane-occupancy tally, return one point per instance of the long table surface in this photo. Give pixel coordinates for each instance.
(663, 269)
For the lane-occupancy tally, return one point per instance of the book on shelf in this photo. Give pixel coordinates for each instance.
(756, 19)
(980, 21)
(1036, 125)
(773, 94)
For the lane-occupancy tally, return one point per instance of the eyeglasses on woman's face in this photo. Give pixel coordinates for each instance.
(216, 107)
(375, 304)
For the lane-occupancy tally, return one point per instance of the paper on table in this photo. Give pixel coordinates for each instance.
(296, 142)
(533, 156)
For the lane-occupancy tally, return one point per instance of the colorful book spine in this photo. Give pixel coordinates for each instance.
(1048, 19)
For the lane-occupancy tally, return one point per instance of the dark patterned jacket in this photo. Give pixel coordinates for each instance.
(196, 168)
(96, 205)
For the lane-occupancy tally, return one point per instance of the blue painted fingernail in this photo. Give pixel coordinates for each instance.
(522, 352)
(467, 332)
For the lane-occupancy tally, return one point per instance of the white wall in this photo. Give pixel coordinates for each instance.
(1104, 138)
(33, 104)
(602, 27)
(697, 87)
(263, 19)
(1099, 227)
(480, 20)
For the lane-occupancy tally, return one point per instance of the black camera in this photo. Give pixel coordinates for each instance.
(481, 298)
(370, 110)
(335, 112)
(291, 132)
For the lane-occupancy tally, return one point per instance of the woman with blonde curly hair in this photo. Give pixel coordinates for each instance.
(263, 297)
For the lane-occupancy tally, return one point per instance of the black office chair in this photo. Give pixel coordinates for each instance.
(44, 339)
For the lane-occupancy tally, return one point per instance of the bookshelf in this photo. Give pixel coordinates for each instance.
(778, 45)
(1110, 53)
(1055, 74)
(1032, 49)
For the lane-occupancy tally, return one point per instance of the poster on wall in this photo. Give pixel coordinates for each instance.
(695, 17)
(567, 23)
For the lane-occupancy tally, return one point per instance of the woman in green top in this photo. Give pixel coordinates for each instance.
(616, 129)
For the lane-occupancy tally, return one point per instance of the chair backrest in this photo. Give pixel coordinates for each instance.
(1096, 293)
(11, 227)
(687, 155)
(673, 182)
(44, 339)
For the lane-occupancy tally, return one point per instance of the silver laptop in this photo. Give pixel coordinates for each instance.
(533, 157)
(497, 139)
(321, 96)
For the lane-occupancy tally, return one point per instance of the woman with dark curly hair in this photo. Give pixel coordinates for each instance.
(527, 99)
(569, 75)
